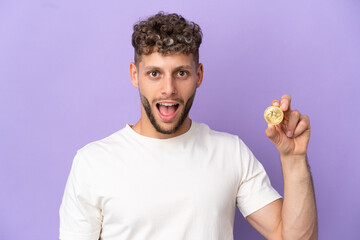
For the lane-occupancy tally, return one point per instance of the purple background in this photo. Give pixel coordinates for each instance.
(64, 72)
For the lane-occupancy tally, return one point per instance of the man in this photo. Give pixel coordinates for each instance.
(168, 177)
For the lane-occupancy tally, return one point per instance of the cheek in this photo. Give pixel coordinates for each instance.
(147, 88)
(189, 90)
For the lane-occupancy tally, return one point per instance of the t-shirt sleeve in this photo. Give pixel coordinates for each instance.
(80, 217)
(255, 190)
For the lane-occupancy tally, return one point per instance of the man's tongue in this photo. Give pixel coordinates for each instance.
(167, 110)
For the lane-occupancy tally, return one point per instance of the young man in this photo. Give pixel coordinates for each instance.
(168, 177)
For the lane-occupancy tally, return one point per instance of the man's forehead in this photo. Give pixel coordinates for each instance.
(174, 60)
(154, 67)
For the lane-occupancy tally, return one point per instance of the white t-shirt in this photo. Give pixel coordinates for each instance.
(131, 187)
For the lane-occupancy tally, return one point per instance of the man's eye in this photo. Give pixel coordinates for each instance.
(182, 73)
(154, 74)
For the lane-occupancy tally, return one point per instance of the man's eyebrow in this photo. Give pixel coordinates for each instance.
(151, 68)
(188, 67)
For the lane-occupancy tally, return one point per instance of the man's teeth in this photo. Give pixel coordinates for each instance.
(167, 104)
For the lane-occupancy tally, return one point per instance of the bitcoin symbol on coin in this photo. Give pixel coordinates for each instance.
(273, 115)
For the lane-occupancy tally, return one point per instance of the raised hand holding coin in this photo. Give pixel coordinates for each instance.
(290, 134)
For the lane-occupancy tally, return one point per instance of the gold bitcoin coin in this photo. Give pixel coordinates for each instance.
(273, 115)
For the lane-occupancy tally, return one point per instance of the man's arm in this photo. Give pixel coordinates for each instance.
(295, 217)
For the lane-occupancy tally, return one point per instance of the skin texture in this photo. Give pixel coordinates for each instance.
(175, 78)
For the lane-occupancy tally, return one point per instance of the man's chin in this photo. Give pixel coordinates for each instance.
(168, 128)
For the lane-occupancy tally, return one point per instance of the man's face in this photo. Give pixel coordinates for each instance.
(167, 86)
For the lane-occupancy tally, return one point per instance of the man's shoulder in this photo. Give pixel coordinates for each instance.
(203, 127)
(215, 135)
(105, 144)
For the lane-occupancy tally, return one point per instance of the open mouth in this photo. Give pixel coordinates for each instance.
(167, 111)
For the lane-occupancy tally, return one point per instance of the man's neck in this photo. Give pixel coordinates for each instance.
(145, 128)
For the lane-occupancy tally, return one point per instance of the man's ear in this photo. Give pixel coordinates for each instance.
(134, 75)
(200, 74)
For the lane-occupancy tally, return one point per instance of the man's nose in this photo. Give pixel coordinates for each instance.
(168, 86)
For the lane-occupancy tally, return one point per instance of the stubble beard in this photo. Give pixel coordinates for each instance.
(146, 104)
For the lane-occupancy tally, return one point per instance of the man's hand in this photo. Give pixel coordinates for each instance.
(291, 136)
(296, 216)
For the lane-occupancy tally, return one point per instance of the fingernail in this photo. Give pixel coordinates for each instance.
(289, 134)
(283, 106)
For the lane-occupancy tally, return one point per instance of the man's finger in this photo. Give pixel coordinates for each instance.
(303, 125)
(275, 103)
(272, 133)
(285, 102)
(294, 118)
